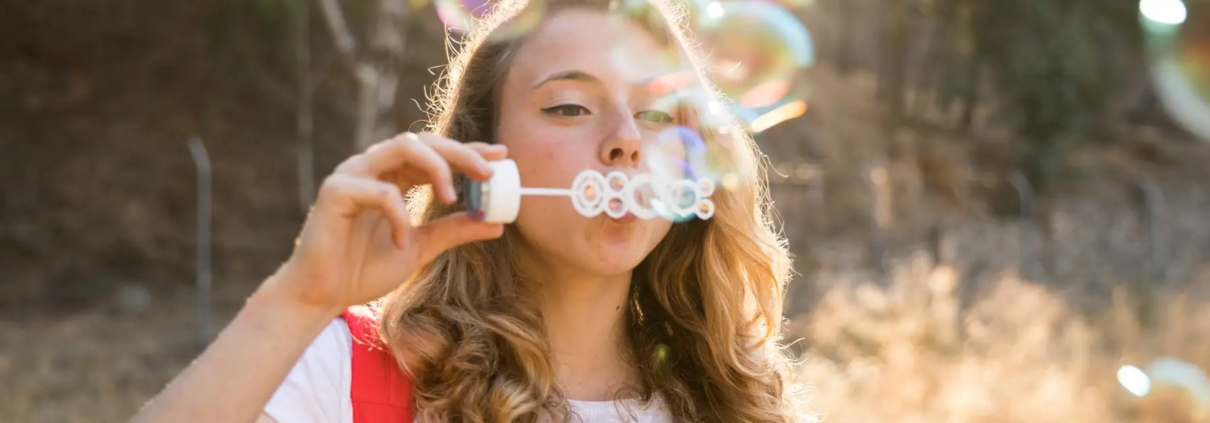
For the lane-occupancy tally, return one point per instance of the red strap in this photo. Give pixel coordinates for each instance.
(381, 391)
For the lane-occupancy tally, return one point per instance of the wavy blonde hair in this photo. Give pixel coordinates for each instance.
(704, 315)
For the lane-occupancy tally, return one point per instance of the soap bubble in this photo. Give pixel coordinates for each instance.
(1134, 380)
(689, 167)
(756, 53)
(1168, 387)
(678, 153)
(663, 70)
(794, 4)
(1178, 42)
(705, 142)
(463, 16)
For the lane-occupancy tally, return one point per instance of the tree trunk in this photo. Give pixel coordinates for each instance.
(893, 56)
(377, 73)
(970, 52)
(364, 132)
(844, 43)
(301, 40)
(387, 47)
(970, 98)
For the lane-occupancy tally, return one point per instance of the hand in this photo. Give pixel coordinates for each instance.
(358, 243)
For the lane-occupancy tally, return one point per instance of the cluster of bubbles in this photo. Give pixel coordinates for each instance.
(1167, 376)
(754, 53)
(1177, 33)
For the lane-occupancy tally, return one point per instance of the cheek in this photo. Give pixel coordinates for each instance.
(547, 155)
(659, 231)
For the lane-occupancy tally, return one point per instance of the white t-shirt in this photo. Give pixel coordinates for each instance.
(317, 390)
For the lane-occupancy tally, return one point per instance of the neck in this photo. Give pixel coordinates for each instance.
(585, 325)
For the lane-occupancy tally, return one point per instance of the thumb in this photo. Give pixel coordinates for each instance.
(435, 237)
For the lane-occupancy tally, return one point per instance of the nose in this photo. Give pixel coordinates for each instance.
(624, 147)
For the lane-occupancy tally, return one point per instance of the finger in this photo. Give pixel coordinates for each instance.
(460, 156)
(381, 155)
(347, 196)
(491, 152)
(407, 150)
(451, 231)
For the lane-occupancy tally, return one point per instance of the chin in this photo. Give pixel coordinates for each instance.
(611, 258)
(617, 266)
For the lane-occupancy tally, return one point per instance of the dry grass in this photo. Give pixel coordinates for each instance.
(95, 366)
(912, 352)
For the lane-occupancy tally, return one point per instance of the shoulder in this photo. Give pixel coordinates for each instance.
(335, 335)
(332, 348)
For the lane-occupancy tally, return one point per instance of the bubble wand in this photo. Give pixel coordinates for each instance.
(644, 195)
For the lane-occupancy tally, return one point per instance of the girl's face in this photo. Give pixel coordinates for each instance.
(577, 97)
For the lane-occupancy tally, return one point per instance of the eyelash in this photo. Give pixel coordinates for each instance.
(558, 110)
(564, 109)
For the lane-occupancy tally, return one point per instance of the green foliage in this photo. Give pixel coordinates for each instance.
(1045, 62)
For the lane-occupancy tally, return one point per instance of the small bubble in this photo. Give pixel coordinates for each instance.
(1170, 12)
(730, 181)
(1178, 43)
(661, 354)
(1134, 380)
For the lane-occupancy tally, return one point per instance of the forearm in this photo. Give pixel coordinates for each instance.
(237, 374)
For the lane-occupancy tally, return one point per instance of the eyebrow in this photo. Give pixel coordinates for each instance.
(571, 75)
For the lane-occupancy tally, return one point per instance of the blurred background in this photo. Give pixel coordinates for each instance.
(1000, 210)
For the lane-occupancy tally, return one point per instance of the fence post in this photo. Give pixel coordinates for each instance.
(1153, 200)
(878, 180)
(1025, 197)
(201, 160)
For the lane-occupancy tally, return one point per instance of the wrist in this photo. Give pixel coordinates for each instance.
(286, 306)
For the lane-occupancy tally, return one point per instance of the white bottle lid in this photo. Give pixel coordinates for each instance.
(499, 199)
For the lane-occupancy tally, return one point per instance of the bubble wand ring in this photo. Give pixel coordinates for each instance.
(646, 196)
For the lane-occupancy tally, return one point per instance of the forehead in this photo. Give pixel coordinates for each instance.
(614, 49)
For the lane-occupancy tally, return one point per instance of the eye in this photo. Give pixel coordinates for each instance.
(567, 110)
(655, 116)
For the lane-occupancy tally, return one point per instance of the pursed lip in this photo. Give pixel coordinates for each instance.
(625, 219)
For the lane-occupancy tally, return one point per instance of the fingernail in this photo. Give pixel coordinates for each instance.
(451, 193)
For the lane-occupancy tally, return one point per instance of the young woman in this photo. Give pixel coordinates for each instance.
(553, 318)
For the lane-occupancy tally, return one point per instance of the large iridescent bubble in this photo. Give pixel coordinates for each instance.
(757, 53)
(1178, 42)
